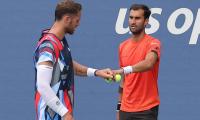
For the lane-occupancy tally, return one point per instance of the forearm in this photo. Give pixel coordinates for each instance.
(142, 66)
(82, 70)
(53, 101)
(79, 69)
(44, 75)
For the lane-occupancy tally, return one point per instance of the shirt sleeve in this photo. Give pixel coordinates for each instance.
(46, 53)
(154, 46)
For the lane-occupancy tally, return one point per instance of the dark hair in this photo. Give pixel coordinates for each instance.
(146, 9)
(67, 7)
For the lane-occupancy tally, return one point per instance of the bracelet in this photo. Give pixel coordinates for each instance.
(91, 72)
(128, 69)
(118, 106)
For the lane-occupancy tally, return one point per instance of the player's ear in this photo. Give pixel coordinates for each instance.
(67, 19)
(146, 22)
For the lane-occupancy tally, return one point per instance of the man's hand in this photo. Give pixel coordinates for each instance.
(105, 73)
(68, 116)
(118, 71)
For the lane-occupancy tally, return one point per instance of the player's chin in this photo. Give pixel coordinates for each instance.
(71, 32)
(133, 28)
(135, 32)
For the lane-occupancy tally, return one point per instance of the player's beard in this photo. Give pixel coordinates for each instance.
(69, 31)
(70, 28)
(137, 30)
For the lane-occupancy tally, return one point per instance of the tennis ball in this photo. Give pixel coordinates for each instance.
(109, 80)
(118, 77)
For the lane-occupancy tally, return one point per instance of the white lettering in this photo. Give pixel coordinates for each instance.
(196, 29)
(171, 24)
(153, 22)
(119, 27)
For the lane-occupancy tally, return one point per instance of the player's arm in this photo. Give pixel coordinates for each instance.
(44, 76)
(82, 70)
(79, 69)
(147, 63)
(152, 56)
(44, 68)
(120, 91)
(141, 66)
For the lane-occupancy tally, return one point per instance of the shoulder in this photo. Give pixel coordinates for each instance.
(46, 44)
(153, 40)
(125, 42)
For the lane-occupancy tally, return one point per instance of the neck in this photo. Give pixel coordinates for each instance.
(138, 37)
(58, 30)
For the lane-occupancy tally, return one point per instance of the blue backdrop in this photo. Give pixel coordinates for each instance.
(95, 44)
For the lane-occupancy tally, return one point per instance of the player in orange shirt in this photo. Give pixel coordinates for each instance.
(139, 58)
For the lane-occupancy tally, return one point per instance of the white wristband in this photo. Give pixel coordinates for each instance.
(91, 72)
(128, 69)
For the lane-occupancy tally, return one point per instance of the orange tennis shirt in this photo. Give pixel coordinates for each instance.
(140, 90)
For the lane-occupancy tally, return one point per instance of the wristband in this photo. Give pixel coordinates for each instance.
(128, 69)
(95, 73)
(118, 106)
(91, 72)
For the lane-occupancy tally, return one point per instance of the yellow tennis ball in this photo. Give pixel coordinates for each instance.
(118, 77)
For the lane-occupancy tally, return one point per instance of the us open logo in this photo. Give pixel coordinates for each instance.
(171, 23)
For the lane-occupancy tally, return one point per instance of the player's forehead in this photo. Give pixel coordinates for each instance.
(137, 13)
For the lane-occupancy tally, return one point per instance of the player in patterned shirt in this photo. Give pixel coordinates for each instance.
(55, 69)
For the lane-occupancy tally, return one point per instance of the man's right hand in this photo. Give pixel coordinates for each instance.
(105, 73)
(118, 71)
(68, 116)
